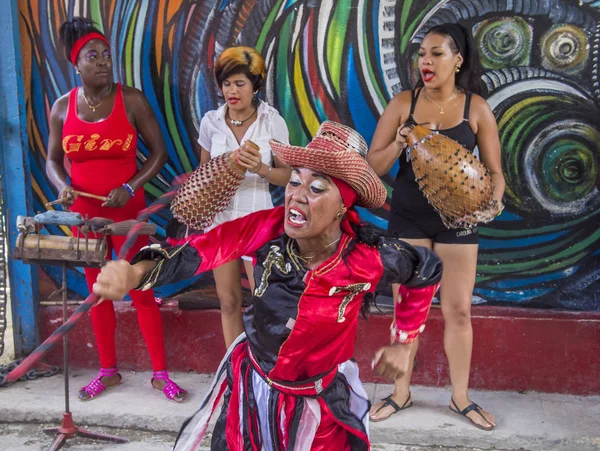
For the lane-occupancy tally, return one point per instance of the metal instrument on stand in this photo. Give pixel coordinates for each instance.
(132, 230)
(85, 251)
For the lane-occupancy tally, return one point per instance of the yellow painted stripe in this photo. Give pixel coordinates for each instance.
(310, 119)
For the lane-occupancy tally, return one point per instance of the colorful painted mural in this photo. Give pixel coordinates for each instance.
(344, 60)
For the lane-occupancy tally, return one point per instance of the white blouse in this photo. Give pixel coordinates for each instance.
(217, 138)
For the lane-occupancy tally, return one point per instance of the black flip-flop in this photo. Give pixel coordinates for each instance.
(471, 408)
(388, 401)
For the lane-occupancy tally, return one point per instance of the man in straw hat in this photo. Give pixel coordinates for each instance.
(288, 381)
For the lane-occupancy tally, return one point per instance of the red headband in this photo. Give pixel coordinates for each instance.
(349, 197)
(79, 43)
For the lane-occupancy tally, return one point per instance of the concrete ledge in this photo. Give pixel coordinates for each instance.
(515, 349)
(532, 421)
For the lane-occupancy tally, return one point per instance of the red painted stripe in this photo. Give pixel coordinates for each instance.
(313, 74)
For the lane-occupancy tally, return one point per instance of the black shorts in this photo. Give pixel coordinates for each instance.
(409, 225)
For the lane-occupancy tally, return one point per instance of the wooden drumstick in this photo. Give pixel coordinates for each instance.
(122, 228)
(78, 193)
(54, 202)
(91, 196)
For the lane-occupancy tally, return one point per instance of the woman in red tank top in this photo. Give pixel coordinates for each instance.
(96, 128)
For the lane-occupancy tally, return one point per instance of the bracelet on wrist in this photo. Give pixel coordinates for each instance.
(405, 336)
(267, 174)
(129, 189)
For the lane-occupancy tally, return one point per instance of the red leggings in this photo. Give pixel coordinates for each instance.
(148, 313)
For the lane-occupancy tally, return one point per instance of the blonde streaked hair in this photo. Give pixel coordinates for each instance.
(241, 60)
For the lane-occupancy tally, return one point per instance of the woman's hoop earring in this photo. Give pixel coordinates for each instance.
(339, 215)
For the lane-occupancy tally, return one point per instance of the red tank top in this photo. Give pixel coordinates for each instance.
(103, 153)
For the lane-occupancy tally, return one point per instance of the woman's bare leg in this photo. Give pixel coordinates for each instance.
(456, 290)
(229, 290)
(401, 393)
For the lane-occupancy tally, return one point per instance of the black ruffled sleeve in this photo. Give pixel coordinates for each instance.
(175, 263)
(203, 252)
(411, 266)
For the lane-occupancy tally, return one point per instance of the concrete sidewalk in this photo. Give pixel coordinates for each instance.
(530, 421)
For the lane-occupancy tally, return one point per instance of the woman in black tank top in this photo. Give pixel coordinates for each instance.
(446, 99)
(407, 198)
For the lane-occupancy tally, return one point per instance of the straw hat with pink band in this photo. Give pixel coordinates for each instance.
(340, 152)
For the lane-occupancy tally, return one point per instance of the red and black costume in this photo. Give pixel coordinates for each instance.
(103, 157)
(289, 381)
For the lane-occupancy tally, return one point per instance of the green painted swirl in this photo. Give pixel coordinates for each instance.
(504, 42)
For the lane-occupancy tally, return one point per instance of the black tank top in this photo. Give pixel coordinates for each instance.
(406, 195)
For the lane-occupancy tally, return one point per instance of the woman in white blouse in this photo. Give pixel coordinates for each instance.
(240, 73)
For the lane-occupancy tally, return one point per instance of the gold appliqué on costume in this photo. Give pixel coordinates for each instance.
(353, 290)
(69, 147)
(72, 143)
(127, 144)
(108, 143)
(90, 144)
(275, 257)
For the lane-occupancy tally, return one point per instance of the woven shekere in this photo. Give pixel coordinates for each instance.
(208, 190)
(453, 180)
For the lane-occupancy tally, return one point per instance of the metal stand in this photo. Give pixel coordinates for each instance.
(68, 429)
